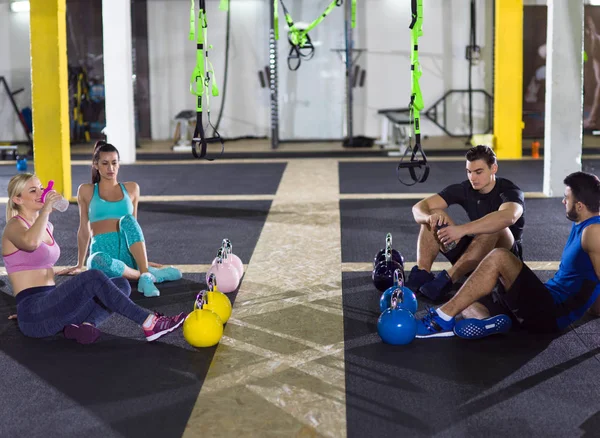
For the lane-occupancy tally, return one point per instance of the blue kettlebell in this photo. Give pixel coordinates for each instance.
(397, 326)
(21, 164)
(407, 297)
(396, 256)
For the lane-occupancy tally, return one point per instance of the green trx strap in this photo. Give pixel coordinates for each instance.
(276, 19)
(301, 45)
(202, 76)
(416, 102)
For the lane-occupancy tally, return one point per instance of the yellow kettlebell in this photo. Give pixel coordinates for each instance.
(202, 328)
(218, 303)
(214, 300)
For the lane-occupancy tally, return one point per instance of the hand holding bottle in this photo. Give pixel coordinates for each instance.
(60, 204)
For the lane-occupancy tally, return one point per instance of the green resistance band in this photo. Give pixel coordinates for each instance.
(416, 102)
(302, 47)
(276, 18)
(202, 77)
(314, 23)
(416, 97)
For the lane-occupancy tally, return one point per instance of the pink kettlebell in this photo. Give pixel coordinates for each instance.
(233, 259)
(222, 254)
(226, 275)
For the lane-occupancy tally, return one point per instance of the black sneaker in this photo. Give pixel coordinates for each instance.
(436, 289)
(417, 278)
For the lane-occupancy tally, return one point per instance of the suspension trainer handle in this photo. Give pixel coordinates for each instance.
(200, 141)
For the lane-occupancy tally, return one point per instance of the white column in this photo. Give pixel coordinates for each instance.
(7, 115)
(118, 81)
(564, 97)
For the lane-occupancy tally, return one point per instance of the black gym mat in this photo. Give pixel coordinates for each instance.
(120, 386)
(184, 179)
(381, 177)
(173, 179)
(364, 224)
(516, 384)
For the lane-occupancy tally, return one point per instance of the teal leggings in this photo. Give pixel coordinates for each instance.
(109, 252)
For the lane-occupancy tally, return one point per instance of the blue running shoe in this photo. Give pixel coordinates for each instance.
(417, 278)
(472, 328)
(433, 326)
(168, 273)
(146, 285)
(438, 288)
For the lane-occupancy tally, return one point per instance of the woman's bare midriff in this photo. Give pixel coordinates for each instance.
(35, 278)
(105, 226)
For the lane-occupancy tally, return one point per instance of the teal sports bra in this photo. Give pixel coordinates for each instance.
(100, 209)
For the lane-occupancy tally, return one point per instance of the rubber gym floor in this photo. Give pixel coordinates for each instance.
(300, 355)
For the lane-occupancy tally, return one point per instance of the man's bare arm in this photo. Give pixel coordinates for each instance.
(590, 242)
(422, 210)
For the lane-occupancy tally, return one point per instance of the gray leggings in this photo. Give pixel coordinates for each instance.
(88, 297)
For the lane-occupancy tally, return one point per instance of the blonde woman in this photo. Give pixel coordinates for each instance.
(76, 306)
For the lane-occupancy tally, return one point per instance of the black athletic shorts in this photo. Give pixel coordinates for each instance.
(528, 302)
(454, 254)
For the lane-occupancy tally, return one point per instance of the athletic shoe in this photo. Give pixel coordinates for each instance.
(169, 273)
(83, 333)
(438, 288)
(472, 328)
(163, 325)
(433, 326)
(146, 285)
(417, 278)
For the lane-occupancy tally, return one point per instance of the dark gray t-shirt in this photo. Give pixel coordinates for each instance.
(478, 205)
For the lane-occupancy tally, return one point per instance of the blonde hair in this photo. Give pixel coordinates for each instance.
(16, 185)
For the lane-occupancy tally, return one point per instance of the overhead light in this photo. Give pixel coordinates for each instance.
(20, 6)
(594, 2)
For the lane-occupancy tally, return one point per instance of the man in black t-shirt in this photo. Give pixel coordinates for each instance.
(495, 207)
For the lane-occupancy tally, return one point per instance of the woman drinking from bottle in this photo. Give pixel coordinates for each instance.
(76, 306)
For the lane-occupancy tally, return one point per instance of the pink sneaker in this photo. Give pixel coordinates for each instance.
(163, 325)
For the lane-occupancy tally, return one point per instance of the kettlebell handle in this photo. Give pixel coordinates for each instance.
(398, 278)
(388, 240)
(224, 253)
(227, 246)
(388, 254)
(221, 255)
(397, 298)
(212, 281)
(200, 300)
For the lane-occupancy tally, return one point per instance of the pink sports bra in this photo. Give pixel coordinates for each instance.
(43, 257)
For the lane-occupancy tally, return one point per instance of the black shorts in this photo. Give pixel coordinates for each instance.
(454, 254)
(528, 302)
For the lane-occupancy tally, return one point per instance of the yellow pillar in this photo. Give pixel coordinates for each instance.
(508, 78)
(50, 93)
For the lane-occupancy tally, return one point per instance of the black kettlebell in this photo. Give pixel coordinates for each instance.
(396, 256)
(383, 273)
